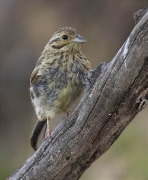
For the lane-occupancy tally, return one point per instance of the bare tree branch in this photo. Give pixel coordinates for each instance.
(115, 93)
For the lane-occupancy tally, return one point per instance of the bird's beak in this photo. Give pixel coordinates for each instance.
(79, 39)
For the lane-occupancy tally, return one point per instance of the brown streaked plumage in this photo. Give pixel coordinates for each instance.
(56, 82)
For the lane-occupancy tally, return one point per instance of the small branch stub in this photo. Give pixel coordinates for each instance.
(139, 14)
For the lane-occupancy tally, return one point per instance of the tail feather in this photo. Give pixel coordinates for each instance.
(36, 132)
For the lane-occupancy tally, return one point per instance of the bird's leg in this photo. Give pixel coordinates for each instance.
(67, 113)
(48, 133)
(48, 127)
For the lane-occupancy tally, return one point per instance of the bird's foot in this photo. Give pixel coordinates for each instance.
(68, 112)
(48, 134)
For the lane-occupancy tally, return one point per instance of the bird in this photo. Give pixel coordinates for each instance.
(56, 82)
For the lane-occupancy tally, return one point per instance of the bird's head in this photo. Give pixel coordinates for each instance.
(66, 39)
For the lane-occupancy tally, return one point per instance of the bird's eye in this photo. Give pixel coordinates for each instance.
(64, 37)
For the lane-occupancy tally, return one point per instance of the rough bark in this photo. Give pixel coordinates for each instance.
(115, 93)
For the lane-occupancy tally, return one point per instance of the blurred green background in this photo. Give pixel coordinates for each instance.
(26, 27)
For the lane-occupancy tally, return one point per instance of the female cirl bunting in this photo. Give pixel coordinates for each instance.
(56, 81)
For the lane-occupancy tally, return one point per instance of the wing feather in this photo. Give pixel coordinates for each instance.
(34, 76)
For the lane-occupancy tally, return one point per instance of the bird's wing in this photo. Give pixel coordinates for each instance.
(43, 62)
(34, 76)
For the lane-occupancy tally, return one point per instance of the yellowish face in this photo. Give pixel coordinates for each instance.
(66, 39)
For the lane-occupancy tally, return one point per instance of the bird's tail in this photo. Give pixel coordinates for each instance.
(36, 132)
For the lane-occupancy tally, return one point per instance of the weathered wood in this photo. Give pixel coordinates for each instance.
(115, 93)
